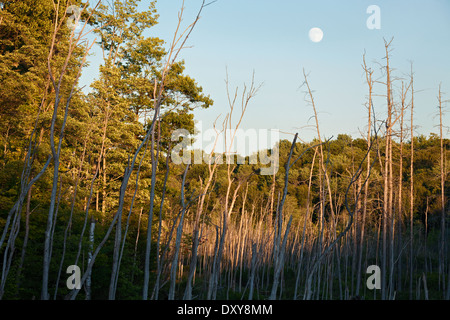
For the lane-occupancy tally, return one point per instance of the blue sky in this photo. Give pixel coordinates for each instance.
(271, 39)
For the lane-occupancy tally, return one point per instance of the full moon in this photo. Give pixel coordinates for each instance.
(315, 34)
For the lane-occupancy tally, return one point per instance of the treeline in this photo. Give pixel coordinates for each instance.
(88, 179)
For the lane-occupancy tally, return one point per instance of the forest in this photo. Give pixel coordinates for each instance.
(88, 180)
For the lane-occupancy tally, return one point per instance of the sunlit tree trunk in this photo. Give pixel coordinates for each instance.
(173, 270)
(442, 245)
(400, 186)
(91, 248)
(368, 73)
(387, 199)
(56, 145)
(411, 195)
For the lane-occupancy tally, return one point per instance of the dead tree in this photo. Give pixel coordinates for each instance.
(308, 287)
(370, 82)
(442, 244)
(411, 194)
(173, 270)
(280, 247)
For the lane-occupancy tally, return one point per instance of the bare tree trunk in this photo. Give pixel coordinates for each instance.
(115, 259)
(442, 246)
(305, 222)
(128, 170)
(425, 286)
(195, 243)
(400, 183)
(369, 81)
(411, 196)
(392, 222)
(175, 48)
(279, 258)
(56, 151)
(25, 184)
(25, 240)
(91, 248)
(252, 271)
(150, 218)
(159, 255)
(136, 243)
(387, 176)
(69, 222)
(119, 242)
(173, 271)
(104, 198)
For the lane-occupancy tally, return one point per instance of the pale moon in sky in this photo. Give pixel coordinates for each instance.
(315, 34)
